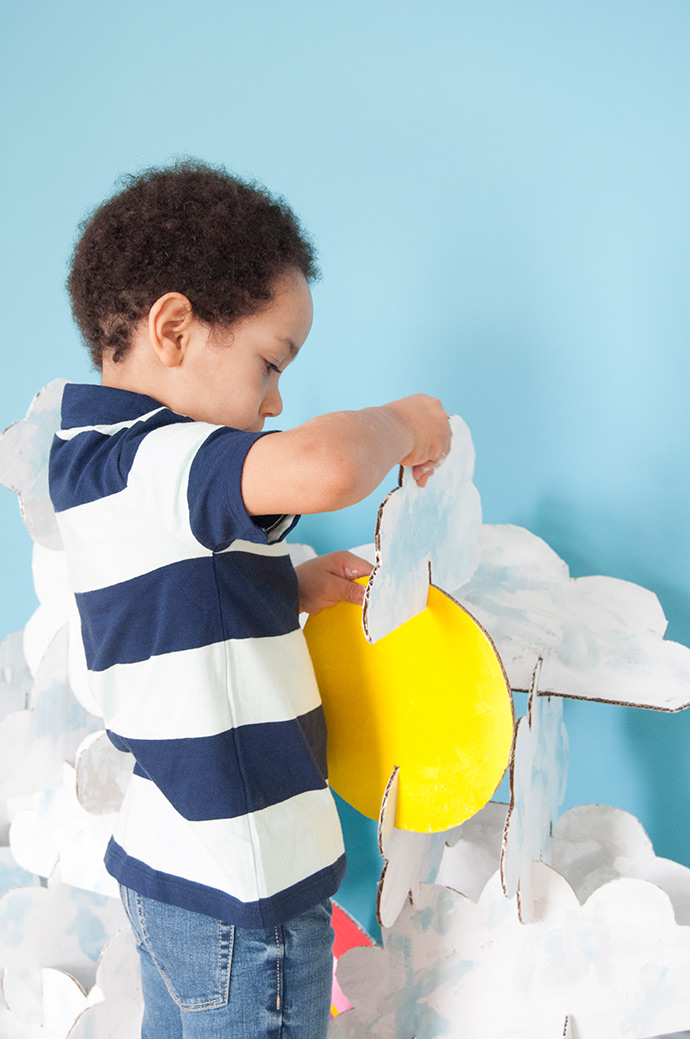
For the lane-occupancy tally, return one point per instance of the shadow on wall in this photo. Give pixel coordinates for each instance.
(633, 759)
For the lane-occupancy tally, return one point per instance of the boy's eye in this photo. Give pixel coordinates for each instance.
(270, 367)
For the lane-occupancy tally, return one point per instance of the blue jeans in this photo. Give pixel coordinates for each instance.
(205, 979)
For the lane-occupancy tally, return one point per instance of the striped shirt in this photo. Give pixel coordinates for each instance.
(189, 618)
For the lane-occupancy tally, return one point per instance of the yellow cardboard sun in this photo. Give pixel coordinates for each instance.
(430, 697)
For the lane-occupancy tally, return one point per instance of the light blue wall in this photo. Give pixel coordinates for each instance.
(500, 192)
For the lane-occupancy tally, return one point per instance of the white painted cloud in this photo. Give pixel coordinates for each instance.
(435, 526)
(600, 638)
(450, 968)
(115, 1002)
(607, 932)
(24, 450)
(57, 833)
(41, 1004)
(57, 926)
(35, 742)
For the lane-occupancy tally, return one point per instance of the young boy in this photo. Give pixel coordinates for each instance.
(191, 289)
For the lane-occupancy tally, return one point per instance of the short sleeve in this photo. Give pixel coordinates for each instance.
(217, 512)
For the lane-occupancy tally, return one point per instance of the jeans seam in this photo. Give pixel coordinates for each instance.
(209, 1004)
(277, 969)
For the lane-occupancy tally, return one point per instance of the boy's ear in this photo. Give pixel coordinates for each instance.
(170, 320)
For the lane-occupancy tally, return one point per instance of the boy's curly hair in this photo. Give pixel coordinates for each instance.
(189, 228)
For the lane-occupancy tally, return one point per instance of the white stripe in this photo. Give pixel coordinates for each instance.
(109, 541)
(107, 430)
(205, 691)
(236, 856)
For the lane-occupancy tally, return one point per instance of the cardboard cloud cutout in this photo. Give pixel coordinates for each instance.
(423, 534)
(24, 450)
(57, 926)
(56, 833)
(34, 743)
(599, 638)
(41, 1004)
(116, 1003)
(442, 963)
(616, 965)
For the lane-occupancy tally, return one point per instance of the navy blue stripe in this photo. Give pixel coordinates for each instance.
(185, 605)
(214, 493)
(94, 465)
(238, 771)
(198, 898)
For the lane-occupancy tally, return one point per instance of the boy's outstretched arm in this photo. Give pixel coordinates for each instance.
(337, 459)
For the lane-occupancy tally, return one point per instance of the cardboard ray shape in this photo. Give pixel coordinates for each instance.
(616, 965)
(24, 451)
(600, 638)
(409, 858)
(431, 698)
(538, 775)
(423, 534)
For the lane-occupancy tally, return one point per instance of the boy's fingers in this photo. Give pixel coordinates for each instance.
(421, 473)
(350, 592)
(353, 566)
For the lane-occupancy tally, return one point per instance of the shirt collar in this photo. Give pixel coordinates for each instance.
(90, 405)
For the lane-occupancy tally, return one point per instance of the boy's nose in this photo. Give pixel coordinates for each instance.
(273, 404)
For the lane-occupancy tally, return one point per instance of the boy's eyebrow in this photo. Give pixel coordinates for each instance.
(294, 350)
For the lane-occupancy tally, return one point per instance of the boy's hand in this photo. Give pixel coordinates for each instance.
(426, 419)
(329, 579)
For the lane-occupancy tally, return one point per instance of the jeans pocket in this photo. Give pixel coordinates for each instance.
(192, 952)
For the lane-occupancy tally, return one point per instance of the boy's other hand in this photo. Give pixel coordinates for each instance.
(329, 579)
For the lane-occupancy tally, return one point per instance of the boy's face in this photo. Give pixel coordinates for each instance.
(232, 375)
